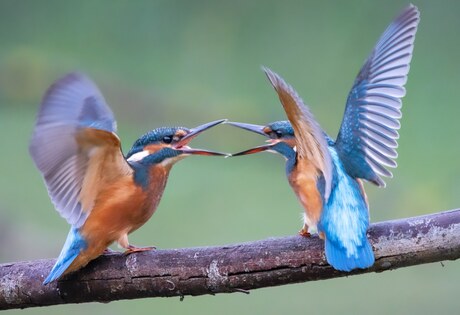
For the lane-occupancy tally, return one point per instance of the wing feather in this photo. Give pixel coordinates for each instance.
(74, 125)
(367, 139)
(310, 139)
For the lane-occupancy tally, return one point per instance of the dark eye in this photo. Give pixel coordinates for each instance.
(167, 139)
(278, 133)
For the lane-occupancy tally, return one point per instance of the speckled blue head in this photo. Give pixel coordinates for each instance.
(167, 142)
(279, 130)
(281, 141)
(276, 130)
(281, 136)
(162, 136)
(165, 146)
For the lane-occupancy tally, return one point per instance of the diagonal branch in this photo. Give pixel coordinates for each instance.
(225, 269)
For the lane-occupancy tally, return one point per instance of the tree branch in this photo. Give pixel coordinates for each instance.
(225, 269)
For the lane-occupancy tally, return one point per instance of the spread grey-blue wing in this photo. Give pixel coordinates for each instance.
(72, 140)
(367, 139)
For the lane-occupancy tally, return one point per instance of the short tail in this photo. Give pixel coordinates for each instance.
(337, 256)
(73, 245)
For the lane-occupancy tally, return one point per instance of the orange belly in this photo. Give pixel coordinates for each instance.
(119, 209)
(303, 181)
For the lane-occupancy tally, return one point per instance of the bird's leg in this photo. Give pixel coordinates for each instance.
(123, 242)
(363, 192)
(304, 231)
(133, 249)
(108, 251)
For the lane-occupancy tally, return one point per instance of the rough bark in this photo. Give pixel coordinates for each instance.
(226, 269)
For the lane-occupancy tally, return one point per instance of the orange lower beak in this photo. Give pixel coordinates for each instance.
(182, 144)
(187, 150)
(255, 150)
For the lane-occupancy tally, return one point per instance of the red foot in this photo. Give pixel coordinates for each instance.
(304, 233)
(133, 249)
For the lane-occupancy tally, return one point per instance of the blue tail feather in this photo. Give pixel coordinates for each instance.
(73, 245)
(337, 256)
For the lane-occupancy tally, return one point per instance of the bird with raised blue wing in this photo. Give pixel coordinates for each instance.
(102, 194)
(326, 174)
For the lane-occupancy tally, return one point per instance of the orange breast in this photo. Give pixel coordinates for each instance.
(120, 208)
(303, 181)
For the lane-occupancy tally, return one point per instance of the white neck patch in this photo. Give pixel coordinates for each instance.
(136, 157)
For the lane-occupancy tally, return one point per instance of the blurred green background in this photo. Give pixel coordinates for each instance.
(188, 62)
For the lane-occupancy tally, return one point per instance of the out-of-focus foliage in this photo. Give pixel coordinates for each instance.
(188, 62)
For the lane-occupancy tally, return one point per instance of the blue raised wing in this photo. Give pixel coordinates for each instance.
(310, 140)
(74, 145)
(367, 139)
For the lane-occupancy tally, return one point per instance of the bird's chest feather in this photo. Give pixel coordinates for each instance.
(123, 206)
(303, 180)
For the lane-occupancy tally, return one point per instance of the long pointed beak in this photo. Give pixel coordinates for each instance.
(182, 144)
(255, 150)
(197, 130)
(254, 128)
(188, 150)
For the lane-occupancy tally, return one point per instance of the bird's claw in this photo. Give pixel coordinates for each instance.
(133, 249)
(304, 232)
(322, 235)
(108, 251)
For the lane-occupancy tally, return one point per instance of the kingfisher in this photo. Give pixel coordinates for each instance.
(326, 175)
(101, 193)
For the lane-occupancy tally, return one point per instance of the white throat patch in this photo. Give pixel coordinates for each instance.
(136, 157)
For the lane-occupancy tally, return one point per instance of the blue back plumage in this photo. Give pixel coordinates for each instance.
(344, 221)
(339, 259)
(73, 245)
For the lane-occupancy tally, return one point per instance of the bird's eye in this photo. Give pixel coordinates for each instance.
(278, 133)
(167, 139)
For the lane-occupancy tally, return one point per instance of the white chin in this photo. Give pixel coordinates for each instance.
(171, 161)
(136, 157)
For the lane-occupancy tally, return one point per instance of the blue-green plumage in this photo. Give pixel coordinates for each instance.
(290, 155)
(345, 216)
(282, 128)
(93, 115)
(141, 168)
(157, 135)
(73, 245)
(142, 165)
(162, 144)
(75, 147)
(344, 221)
(324, 173)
